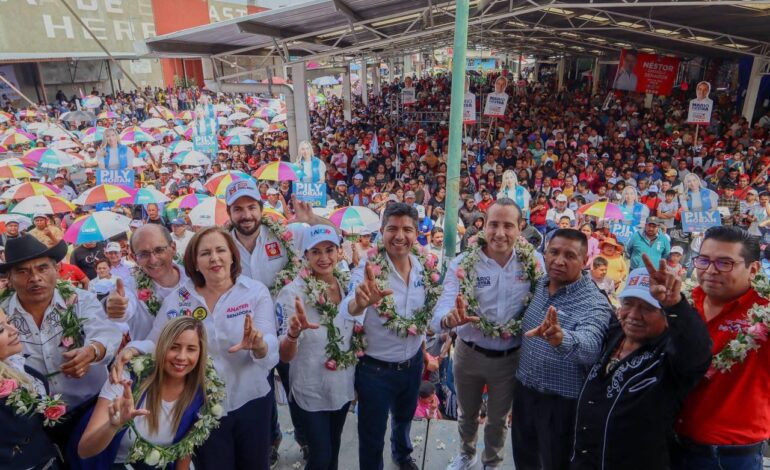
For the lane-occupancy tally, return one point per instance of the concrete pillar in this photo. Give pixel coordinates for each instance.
(560, 70)
(346, 95)
(364, 83)
(596, 77)
(391, 70)
(536, 72)
(752, 90)
(300, 106)
(408, 68)
(376, 78)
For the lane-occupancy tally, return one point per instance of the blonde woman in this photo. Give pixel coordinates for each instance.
(311, 169)
(511, 189)
(112, 155)
(635, 210)
(171, 396)
(696, 197)
(23, 443)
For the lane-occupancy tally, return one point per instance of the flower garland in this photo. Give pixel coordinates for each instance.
(525, 254)
(72, 334)
(748, 339)
(431, 279)
(145, 291)
(26, 401)
(293, 260)
(316, 291)
(209, 415)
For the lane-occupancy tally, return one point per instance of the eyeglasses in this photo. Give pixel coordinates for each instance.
(721, 265)
(157, 251)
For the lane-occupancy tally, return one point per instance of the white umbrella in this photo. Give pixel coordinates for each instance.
(240, 130)
(222, 121)
(23, 221)
(238, 116)
(182, 146)
(278, 118)
(154, 122)
(54, 132)
(37, 127)
(222, 108)
(158, 150)
(191, 158)
(63, 145)
(325, 81)
(139, 162)
(211, 211)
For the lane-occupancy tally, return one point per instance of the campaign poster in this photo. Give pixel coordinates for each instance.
(699, 221)
(646, 73)
(700, 108)
(621, 231)
(497, 101)
(206, 144)
(314, 193)
(469, 104)
(124, 177)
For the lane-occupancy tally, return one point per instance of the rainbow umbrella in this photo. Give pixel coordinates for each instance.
(49, 158)
(238, 140)
(132, 137)
(256, 123)
(5, 117)
(25, 190)
(107, 115)
(91, 102)
(187, 201)
(274, 214)
(185, 115)
(3, 149)
(17, 137)
(239, 131)
(18, 162)
(103, 193)
(211, 211)
(277, 127)
(42, 204)
(218, 182)
(355, 219)
(27, 113)
(277, 171)
(96, 227)
(241, 107)
(146, 195)
(15, 172)
(191, 158)
(265, 113)
(602, 210)
(161, 112)
(153, 123)
(180, 146)
(278, 118)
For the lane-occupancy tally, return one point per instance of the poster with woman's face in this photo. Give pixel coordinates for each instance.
(497, 101)
(501, 84)
(469, 104)
(408, 94)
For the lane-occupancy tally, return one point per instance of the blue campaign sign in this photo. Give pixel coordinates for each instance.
(206, 144)
(699, 221)
(314, 193)
(621, 231)
(124, 177)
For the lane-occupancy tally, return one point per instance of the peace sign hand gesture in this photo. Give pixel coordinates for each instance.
(549, 330)
(456, 317)
(298, 322)
(252, 340)
(665, 287)
(367, 292)
(122, 409)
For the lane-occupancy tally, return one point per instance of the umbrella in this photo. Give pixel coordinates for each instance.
(238, 116)
(277, 127)
(23, 221)
(602, 210)
(276, 80)
(146, 195)
(18, 162)
(256, 123)
(187, 201)
(91, 102)
(103, 193)
(355, 219)
(223, 121)
(211, 211)
(25, 190)
(242, 107)
(17, 137)
(222, 108)
(191, 158)
(239, 131)
(3, 149)
(162, 112)
(277, 171)
(78, 115)
(54, 132)
(96, 227)
(132, 137)
(37, 127)
(27, 113)
(238, 140)
(325, 81)
(180, 146)
(107, 115)
(63, 144)
(265, 113)
(278, 118)
(5, 117)
(16, 172)
(274, 214)
(41, 204)
(218, 182)
(154, 122)
(185, 115)
(50, 158)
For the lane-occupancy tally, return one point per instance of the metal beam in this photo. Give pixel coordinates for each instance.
(265, 30)
(341, 7)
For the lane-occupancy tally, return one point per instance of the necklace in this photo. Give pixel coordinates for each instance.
(616, 357)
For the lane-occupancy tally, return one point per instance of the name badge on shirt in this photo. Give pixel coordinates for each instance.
(200, 314)
(483, 281)
(273, 250)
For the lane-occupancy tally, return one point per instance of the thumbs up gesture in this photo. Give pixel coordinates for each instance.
(252, 340)
(117, 302)
(549, 330)
(457, 317)
(298, 322)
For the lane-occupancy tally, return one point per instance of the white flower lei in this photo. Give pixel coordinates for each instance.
(466, 273)
(293, 260)
(747, 339)
(209, 415)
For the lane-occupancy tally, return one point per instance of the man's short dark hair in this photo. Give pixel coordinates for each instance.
(599, 262)
(399, 209)
(733, 234)
(508, 202)
(572, 234)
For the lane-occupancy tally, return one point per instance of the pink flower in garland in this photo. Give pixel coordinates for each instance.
(331, 364)
(7, 386)
(460, 273)
(435, 277)
(759, 331)
(67, 342)
(287, 236)
(358, 328)
(430, 262)
(321, 299)
(412, 330)
(55, 412)
(144, 295)
(371, 252)
(304, 273)
(376, 269)
(506, 335)
(359, 354)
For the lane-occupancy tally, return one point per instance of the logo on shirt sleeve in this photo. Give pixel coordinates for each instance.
(273, 250)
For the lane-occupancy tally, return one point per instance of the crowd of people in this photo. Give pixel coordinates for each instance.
(618, 341)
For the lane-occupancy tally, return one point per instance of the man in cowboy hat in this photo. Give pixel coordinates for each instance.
(36, 307)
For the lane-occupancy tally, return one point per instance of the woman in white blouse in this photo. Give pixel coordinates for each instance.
(171, 395)
(238, 314)
(320, 390)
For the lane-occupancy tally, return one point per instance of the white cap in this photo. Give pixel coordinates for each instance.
(112, 247)
(316, 234)
(39, 215)
(272, 192)
(561, 198)
(653, 189)
(638, 286)
(677, 249)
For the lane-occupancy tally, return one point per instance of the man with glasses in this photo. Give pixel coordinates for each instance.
(726, 419)
(153, 250)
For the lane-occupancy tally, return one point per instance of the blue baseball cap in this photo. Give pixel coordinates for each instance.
(316, 234)
(241, 188)
(638, 286)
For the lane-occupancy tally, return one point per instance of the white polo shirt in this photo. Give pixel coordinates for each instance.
(138, 318)
(268, 257)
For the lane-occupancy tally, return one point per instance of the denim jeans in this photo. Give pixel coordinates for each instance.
(276, 434)
(685, 460)
(324, 435)
(383, 391)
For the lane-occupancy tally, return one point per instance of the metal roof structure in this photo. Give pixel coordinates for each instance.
(355, 28)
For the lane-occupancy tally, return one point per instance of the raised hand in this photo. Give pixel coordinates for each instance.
(116, 371)
(122, 409)
(117, 302)
(298, 322)
(457, 317)
(252, 340)
(367, 292)
(78, 362)
(665, 287)
(549, 330)
(303, 211)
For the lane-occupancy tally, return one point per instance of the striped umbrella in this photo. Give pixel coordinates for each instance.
(277, 127)
(107, 115)
(25, 190)
(146, 195)
(265, 113)
(277, 171)
(185, 115)
(91, 102)
(239, 131)
(238, 140)
(13, 161)
(5, 117)
(153, 123)
(27, 113)
(602, 210)
(17, 137)
(256, 123)
(239, 116)
(161, 112)
(188, 201)
(211, 211)
(191, 158)
(15, 172)
(133, 136)
(41, 204)
(3, 149)
(274, 214)
(96, 227)
(103, 193)
(181, 146)
(50, 158)
(278, 118)
(355, 219)
(218, 182)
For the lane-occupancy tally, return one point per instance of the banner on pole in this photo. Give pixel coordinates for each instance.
(699, 221)
(700, 108)
(124, 177)
(646, 73)
(314, 193)
(621, 231)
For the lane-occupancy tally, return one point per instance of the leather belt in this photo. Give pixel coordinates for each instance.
(493, 353)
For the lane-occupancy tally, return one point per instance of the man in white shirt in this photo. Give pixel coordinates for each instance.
(273, 201)
(560, 210)
(501, 287)
(180, 235)
(388, 376)
(119, 267)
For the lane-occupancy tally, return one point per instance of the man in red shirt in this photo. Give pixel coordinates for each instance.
(70, 272)
(726, 418)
